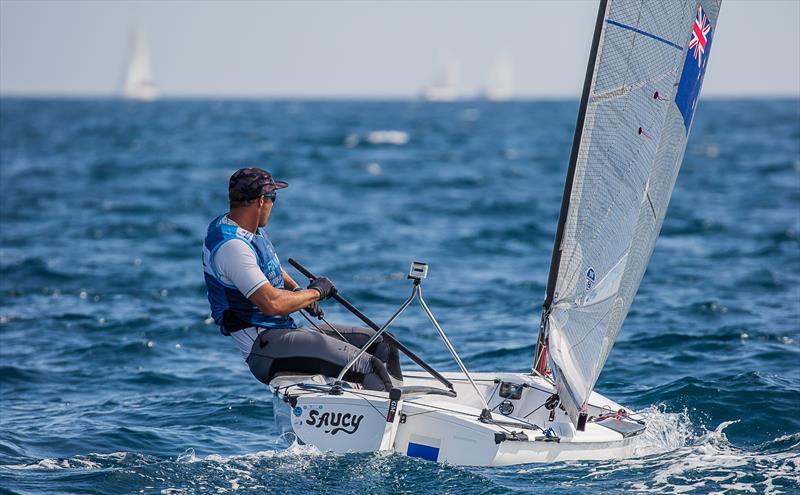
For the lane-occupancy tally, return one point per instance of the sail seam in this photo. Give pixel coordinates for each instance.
(645, 33)
(591, 330)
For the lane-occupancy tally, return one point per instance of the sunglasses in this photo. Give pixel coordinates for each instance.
(273, 197)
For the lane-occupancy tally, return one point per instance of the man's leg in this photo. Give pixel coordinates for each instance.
(303, 350)
(358, 336)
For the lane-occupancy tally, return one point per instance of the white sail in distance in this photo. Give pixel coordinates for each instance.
(501, 80)
(139, 84)
(445, 88)
(645, 71)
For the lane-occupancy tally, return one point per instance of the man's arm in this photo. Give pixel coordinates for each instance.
(289, 282)
(236, 263)
(272, 301)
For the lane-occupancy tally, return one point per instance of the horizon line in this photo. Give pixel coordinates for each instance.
(345, 97)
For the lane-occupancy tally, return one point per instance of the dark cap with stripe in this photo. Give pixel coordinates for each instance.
(252, 183)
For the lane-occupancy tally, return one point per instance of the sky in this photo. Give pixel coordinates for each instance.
(357, 48)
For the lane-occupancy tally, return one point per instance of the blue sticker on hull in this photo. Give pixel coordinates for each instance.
(423, 451)
(694, 67)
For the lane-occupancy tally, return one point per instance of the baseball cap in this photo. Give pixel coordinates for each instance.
(251, 183)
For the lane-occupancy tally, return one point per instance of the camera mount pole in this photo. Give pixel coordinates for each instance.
(386, 335)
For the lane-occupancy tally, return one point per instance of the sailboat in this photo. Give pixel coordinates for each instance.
(501, 80)
(138, 83)
(445, 88)
(646, 67)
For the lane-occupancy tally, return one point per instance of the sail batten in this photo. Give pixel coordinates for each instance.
(646, 68)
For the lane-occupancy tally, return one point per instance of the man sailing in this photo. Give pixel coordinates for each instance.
(252, 297)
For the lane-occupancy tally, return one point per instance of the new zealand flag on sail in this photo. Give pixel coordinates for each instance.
(694, 67)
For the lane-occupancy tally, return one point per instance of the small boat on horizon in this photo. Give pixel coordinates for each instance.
(138, 83)
(500, 86)
(445, 87)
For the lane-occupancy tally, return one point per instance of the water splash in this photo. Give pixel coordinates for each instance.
(708, 462)
(665, 431)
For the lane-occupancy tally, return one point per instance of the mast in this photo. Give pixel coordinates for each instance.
(540, 356)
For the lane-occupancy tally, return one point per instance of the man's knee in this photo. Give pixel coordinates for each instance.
(379, 378)
(260, 367)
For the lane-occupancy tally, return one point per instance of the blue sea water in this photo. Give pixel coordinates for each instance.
(112, 379)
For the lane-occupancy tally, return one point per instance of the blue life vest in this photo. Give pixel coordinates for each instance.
(230, 309)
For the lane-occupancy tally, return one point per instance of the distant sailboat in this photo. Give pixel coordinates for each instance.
(501, 80)
(445, 88)
(138, 84)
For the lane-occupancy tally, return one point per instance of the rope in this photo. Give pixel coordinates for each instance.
(321, 330)
(541, 406)
(333, 328)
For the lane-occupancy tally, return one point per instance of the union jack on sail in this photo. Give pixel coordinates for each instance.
(699, 35)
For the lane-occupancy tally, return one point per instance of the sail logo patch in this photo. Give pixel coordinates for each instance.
(590, 276)
(694, 67)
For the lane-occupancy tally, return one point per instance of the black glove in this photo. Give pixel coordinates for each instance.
(315, 311)
(313, 308)
(324, 286)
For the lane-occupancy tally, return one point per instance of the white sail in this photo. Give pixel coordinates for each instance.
(501, 80)
(445, 88)
(649, 57)
(139, 83)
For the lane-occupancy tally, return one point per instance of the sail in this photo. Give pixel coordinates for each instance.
(501, 80)
(139, 83)
(645, 71)
(445, 88)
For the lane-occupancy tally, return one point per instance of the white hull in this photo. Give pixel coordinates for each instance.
(448, 429)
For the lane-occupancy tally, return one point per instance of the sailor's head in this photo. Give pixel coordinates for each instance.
(254, 188)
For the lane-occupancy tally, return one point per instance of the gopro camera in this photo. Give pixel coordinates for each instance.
(418, 270)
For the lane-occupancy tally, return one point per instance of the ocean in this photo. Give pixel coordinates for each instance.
(113, 380)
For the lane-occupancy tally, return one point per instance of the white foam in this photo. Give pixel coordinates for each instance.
(711, 459)
(794, 437)
(243, 469)
(398, 138)
(678, 460)
(90, 461)
(294, 451)
(78, 462)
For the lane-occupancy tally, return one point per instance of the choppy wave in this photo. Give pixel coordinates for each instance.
(709, 463)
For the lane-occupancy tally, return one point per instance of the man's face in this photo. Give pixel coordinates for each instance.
(266, 209)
